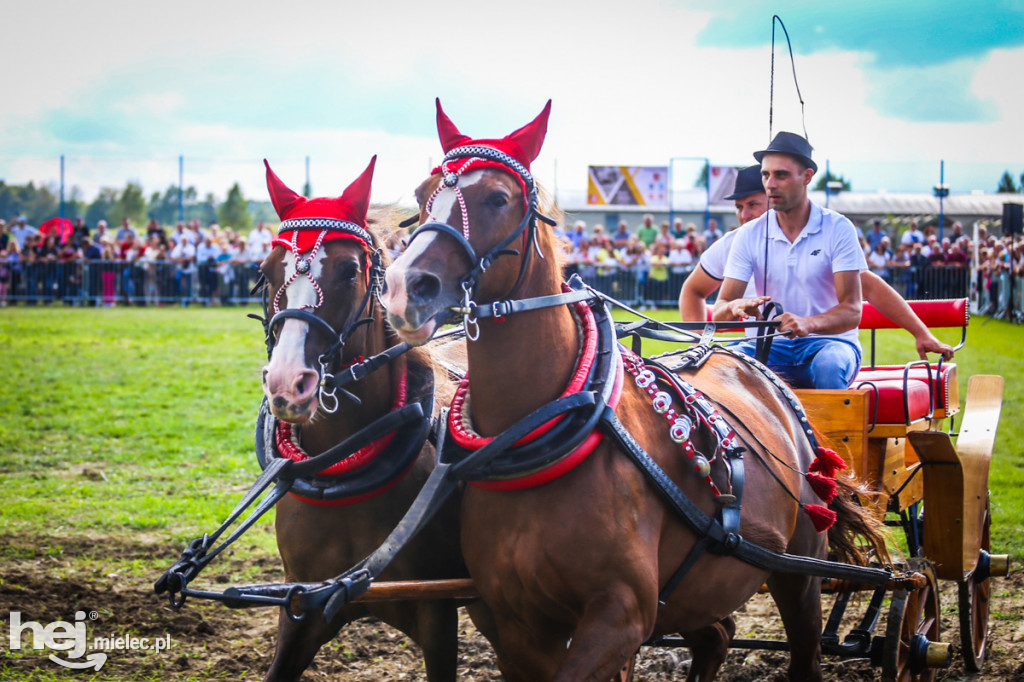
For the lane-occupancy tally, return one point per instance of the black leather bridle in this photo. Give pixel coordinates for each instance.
(331, 357)
(470, 281)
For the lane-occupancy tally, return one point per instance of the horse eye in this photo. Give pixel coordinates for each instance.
(348, 271)
(497, 199)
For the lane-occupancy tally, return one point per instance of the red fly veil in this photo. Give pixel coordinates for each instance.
(523, 145)
(322, 218)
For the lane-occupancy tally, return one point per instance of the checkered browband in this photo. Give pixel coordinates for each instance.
(329, 224)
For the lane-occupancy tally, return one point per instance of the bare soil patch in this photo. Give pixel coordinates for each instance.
(211, 641)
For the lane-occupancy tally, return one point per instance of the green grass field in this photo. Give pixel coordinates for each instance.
(116, 422)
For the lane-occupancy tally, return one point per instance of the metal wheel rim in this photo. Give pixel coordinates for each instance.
(974, 608)
(911, 613)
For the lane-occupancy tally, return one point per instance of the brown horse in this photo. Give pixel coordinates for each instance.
(572, 568)
(320, 539)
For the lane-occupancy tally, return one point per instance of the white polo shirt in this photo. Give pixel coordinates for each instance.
(714, 258)
(800, 273)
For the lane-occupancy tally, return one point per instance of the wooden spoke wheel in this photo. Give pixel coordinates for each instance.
(975, 593)
(913, 623)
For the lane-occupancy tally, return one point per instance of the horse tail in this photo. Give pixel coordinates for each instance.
(857, 536)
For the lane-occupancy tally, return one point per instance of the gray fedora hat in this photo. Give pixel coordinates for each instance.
(791, 144)
(748, 181)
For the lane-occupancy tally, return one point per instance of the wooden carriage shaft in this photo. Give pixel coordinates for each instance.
(463, 588)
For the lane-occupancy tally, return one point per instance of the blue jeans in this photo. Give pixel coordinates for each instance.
(810, 362)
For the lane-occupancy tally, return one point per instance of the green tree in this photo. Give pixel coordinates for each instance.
(204, 211)
(234, 212)
(702, 177)
(130, 204)
(1006, 184)
(37, 204)
(163, 208)
(830, 177)
(100, 207)
(75, 205)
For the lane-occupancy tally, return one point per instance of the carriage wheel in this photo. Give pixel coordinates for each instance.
(626, 674)
(912, 625)
(974, 599)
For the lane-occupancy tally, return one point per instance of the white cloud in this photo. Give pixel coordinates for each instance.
(629, 87)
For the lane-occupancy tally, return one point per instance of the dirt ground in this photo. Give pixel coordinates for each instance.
(210, 641)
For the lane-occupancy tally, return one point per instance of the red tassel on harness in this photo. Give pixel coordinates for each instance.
(821, 517)
(823, 487)
(827, 463)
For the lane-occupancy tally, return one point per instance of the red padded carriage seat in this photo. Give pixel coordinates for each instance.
(942, 380)
(890, 398)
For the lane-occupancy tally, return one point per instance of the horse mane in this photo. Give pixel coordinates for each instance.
(382, 222)
(549, 244)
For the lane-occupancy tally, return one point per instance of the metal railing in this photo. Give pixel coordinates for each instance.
(108, 283)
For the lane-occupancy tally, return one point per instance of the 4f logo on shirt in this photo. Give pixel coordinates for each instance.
(815, 252)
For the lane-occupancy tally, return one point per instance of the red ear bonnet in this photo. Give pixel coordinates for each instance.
(350, 207)
(523, 145)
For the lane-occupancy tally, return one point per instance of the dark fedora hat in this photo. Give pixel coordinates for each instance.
(791, 144)
(748, 181)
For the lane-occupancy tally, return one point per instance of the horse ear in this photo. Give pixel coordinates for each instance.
(530, 137)
(283, 198)
(446, 130)
(357, 195)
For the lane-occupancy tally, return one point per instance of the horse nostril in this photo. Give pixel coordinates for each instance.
(423, 287)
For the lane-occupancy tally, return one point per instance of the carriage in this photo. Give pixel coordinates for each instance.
(894, 430)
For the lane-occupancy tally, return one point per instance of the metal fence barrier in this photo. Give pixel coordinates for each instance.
(108, 283)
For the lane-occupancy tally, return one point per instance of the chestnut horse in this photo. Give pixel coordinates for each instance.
(572, 568)
(320, 539)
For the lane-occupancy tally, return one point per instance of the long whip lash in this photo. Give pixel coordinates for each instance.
(771, 113)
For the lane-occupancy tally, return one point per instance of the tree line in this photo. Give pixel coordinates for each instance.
(42, 202)
(1007, 185)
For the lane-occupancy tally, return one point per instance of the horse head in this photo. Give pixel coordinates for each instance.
(478, 206)
(321, 276)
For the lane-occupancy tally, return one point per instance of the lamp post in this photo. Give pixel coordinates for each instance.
(941, 191)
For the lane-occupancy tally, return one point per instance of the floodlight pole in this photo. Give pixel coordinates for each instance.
(62, 186)
(181, 187)
(941, 191)
(828, 176)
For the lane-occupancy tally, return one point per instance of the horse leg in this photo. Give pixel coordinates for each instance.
(612, 628)
(709, 647)
(434, 626)
(298, 643)
(437, 633)
(798, 599)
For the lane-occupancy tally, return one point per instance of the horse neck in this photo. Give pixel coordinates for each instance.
(376, 391)
(524, 361)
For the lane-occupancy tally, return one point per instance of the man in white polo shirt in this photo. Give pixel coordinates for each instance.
(807, 259)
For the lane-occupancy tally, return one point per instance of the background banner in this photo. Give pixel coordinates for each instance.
(628, 185)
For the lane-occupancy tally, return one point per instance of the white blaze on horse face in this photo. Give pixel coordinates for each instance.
(445, 209)
(290, 349)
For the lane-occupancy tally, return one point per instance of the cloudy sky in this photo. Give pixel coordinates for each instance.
(123, 88)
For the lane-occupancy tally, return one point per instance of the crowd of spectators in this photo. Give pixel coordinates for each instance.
(645, 262)
(127, 264)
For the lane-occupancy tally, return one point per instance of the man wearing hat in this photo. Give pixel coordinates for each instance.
(751, 203)
(806, 258)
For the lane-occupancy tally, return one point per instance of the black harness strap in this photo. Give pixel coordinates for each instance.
(728, 543)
